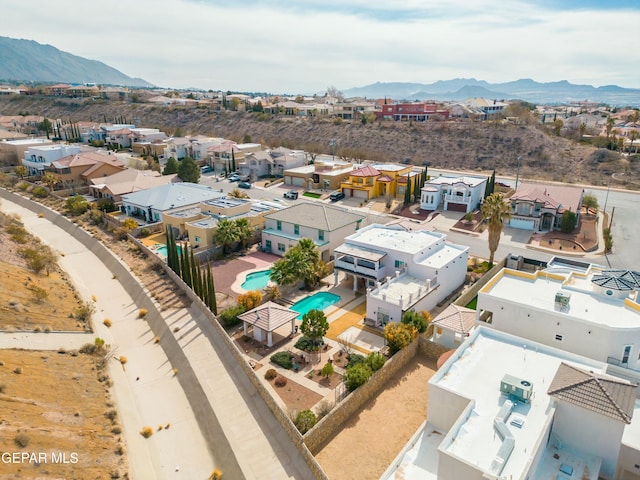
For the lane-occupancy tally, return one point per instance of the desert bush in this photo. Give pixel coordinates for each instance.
(39, 294)
(305, 420)
(215, 475)
(116, 430)
(107, 322)
(229, 316)
(323, 408)
(250, 300)
(120, 450)
(38, 259)
(399, 335)
(145, 232)
(357, 375)
(111, 415)
(17, 232)
(355, 358)
(39, 192)
(3, 387)
(156, 339)
(84, 311)
(21, 440)
(97, 348)
(271, 374)
(77, 205)
(17, 370)
(175, 372)
(160, 427)
(280, 381)
(146, 432)
(142, 313)
(122, 359)
(284, 359)
(375, 360)
(106, 205)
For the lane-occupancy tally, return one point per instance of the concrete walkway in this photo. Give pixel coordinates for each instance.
(156, 398)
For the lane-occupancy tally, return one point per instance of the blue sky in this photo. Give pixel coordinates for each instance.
(307, 45)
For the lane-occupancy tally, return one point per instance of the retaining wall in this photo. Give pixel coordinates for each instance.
(467, 296)
(326, 428)
(219, 447)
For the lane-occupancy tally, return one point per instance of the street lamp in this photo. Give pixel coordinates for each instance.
(333, 148)
(518, 172)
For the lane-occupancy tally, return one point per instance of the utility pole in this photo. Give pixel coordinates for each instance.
(518, 172)
(333, 148)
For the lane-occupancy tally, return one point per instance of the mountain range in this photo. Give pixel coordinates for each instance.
(523, 89)
(29, 61)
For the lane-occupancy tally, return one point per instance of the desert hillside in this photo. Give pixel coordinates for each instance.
(457, 145)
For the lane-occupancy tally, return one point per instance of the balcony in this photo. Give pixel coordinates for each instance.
(361, 267)
(457, 199)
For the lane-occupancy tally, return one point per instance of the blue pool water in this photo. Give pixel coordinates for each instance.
(317, 301)
(256, 280)
(162, 251)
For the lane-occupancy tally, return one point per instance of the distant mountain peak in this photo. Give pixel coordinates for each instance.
(30, 61)
(527, 89)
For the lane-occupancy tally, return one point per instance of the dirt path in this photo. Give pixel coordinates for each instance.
(373, 437)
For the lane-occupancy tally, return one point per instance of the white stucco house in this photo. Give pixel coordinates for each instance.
(504, 407)
(460, 194)
(39, 158)
(327, 226)
(402, 269)
(581, 308)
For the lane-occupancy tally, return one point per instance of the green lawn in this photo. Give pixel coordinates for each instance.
(473, 303)
(312, 195)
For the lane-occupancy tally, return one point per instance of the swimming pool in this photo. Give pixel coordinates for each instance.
(317, 301)
(256, 280)
(162, 251)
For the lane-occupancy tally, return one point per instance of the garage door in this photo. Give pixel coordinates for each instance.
(287, 180)
(297, 181)
(361, 194)
(521, 223)
(456, 207)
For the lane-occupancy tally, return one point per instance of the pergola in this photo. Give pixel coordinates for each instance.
(267, 318)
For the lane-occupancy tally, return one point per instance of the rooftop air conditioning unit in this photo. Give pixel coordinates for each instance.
(562, 301)
(516, 387)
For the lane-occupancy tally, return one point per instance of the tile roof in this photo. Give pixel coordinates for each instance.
(457, 319)
(268, 316)
(608, 396)
(367, 171)
(385, 178)
(315, 215)
(130, 180)
(560, 197)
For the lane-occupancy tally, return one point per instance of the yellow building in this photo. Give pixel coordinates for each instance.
(373, 181)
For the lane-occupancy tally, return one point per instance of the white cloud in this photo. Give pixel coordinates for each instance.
(282, 46)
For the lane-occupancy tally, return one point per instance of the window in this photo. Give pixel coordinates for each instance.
(267, 244)
(399, 264)
(197, 239)
(625, 354)
(296, 229)
(281, 247)
(320, 234)
(278, 225)
(558, 337)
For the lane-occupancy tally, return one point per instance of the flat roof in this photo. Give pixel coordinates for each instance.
(631, 435)
(444, 180)
(442, 256)
(475, 372)
(406, 287)
(539, 291)
(385, 238)
(28, 141)
(367, 254)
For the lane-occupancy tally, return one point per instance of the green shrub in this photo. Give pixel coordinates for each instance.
(307, 344)
(229, 316)
(106, 205)
(355, 358)
(357, 375)
(77, 204)
(284, 359)
(85, 311)
(568, 221)
(39, 192)
(145, 232)
(417, 319)
(375, 360)
(305, 420)
(271, 374)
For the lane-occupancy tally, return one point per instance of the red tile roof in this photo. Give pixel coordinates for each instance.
(367, 171)
(551, 196)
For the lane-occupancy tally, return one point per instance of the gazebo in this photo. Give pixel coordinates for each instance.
(453, 325)
(267, 318)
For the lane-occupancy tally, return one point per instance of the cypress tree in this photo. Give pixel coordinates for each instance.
(407, 192)
(185, 268)
(213, 304)
(233, 160)
(195, 274)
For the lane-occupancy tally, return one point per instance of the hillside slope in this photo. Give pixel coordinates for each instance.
(26, 60)
(464, 146)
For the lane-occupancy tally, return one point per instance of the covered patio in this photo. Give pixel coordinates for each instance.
(267, 318)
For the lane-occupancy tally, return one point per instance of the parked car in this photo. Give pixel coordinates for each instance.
(206, 169)
(335, 196)
(291, 195)
(234, 177)
(245, 178)
(244, 185)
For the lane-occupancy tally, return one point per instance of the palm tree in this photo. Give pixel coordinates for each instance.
(282, 273)
(633, 136)
(226, 234)
(495, 211)
(244, 231)
(610, 123)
